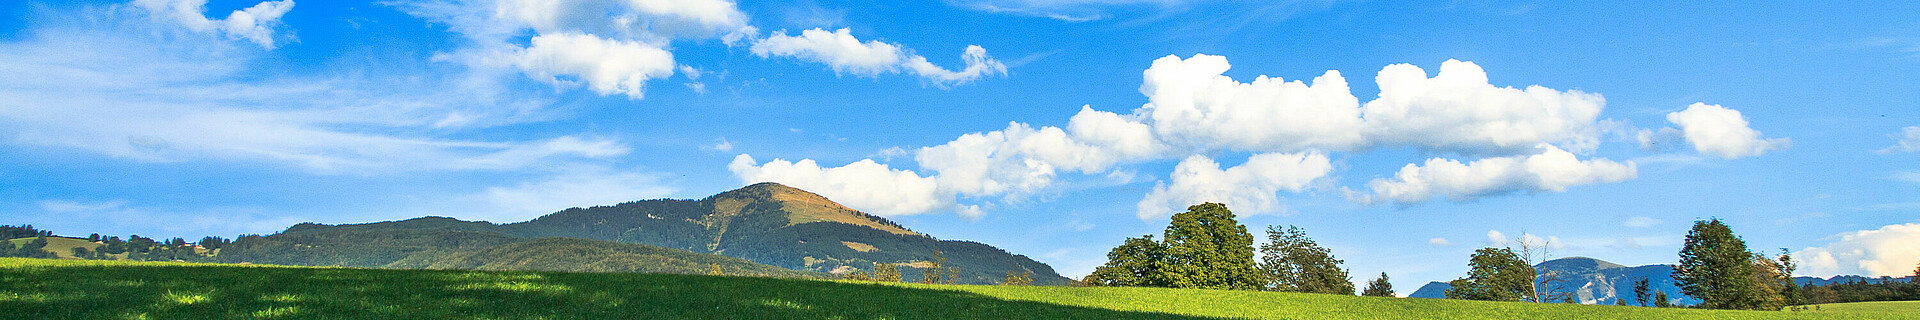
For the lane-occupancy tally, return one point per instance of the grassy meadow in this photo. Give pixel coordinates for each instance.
(79, 289)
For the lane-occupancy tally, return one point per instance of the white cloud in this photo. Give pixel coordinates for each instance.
(1640, 222)
(608, 66)
(1495, 238)
(1191, 104)
(721, 145)
(253, 23)
(1511, 140)
(1023, 159)
(979, 65)
(840, 50)
(1457, 110)
(1722, 132)
(1249, 188)
(1888, 251)
(1907, 141)
(864, 185)
(1439, 242)
(574, 187)
(1551, 170)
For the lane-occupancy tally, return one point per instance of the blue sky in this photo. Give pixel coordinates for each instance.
(1416, 131)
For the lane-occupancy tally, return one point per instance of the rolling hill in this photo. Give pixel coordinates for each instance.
(765, 223)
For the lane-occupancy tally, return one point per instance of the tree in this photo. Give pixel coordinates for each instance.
(714, 270)
(1290, 261)
(1660, 299)
(1534, 250)
(1782, 278)
(1497, 274)
(935, 274)
(1379, 287)
(1208, 249)
(1620, 302)
(81, 252)
(1640, 292)
(1023, 278)
(886, 272)
(1136, 262)
(1716, 267)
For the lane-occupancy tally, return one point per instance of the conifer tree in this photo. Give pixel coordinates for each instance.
(1379, 287)
(1660, 299)
(1716, 267)
(1641, 292)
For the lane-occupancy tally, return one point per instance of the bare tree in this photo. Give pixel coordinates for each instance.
(1548, 284)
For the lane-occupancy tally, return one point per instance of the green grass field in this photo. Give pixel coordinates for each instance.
(1910, 308)
(75, 289)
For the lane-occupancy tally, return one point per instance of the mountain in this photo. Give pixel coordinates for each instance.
(765, 223)
(1592, 281)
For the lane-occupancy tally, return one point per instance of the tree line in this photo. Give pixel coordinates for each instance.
(1205, 248)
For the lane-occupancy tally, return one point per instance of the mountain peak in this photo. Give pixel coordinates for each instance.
(801, 207)
(1578, 263)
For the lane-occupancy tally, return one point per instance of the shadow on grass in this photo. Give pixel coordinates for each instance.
(238, 292)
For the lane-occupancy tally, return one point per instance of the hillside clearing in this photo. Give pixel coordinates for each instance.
(54, 289)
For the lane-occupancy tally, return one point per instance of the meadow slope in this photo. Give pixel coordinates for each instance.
(68, 289)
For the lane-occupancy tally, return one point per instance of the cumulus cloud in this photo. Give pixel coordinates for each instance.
(844, 53)
(864, 185)
(1250, 188)
(607, 66)
(254, 23)
(1551, 170)
(1021, 158)
(1722, 132)
(1191, 103)
(1457, 110)
(1887, 251)
(1907, 141)
(1496, 139)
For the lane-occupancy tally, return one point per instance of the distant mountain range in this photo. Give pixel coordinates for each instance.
(1594, 281)
(764, 224)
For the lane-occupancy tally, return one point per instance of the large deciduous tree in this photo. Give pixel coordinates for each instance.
(1202, 248)
(1137, 262)
(1290, 261)
(1497, 274)
(1716, 267)
(1208, 249)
